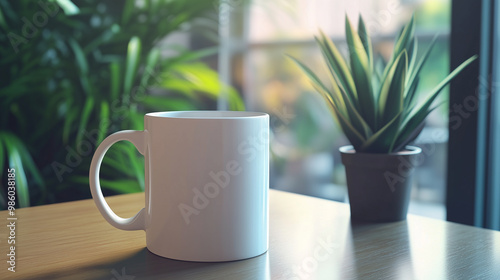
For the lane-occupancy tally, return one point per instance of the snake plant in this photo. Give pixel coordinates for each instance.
(376, 108)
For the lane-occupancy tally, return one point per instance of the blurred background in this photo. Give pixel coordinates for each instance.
(75, 71)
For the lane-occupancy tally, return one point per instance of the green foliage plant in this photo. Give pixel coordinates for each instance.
(377, 108)
(91, 68)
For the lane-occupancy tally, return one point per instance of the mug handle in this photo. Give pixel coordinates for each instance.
(137, 138)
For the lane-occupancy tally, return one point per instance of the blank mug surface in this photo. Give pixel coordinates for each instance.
(207, 180)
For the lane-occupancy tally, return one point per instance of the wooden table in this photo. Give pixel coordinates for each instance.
(310, 238)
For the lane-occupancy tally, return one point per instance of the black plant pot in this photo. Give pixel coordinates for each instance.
(379, 185)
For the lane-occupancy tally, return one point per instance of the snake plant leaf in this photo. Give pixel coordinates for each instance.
(133, 58)
(334, 77)
(418, 115)
(410, 93)
(384, 120)
(412, 55)
(365, 39)
(410, 129)
(424, 106)
(390, 101)
(339, 65)
(350, 132)
(344, 103)
(310, 74)
(317, 83)
(361, 73)
(416, 72)
(339, 98)
(406, 136)
(401, 43)
(405, 38)
(319, 86)
(383, 140)
(379, 66)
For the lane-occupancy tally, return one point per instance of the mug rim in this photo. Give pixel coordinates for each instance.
(207, 114)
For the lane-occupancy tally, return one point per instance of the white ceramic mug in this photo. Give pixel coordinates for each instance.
(207, 180)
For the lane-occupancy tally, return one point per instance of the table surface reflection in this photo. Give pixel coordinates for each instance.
(310, 238)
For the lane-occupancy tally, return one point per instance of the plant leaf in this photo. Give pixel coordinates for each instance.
(81, 61)
(68, 7)
(27, 159)
(410, 94)
(383, 140)
(3, 23)
(406, 139)
(114, 69)
(121, 186)
(310, 74)
(412, 56)
(358, 125)
(104, 122)
(418, 115)
(137, 167)
(167, 103)
(338, 66)
(149, 70)
(361, 74)
(128, 9)
(405, 39)
(84, 118)
(133, 57)
(402, 40)
(424, 106)
(355, 138)
(416, 72)
(21, 181)
(365, 39)
(345, 106)
(390, 101)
